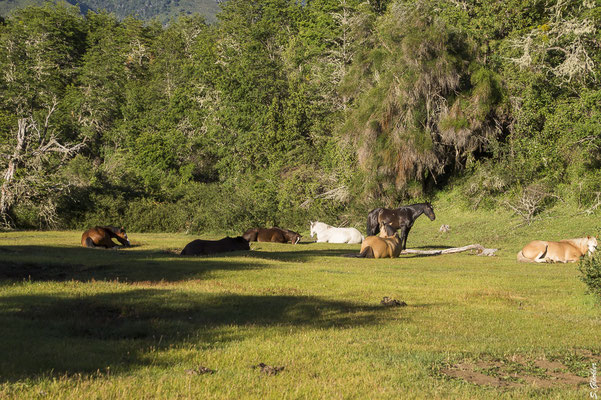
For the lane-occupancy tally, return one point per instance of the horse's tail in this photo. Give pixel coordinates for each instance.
(89, 242)
(520, 257)
(372, 222)
(367, 252)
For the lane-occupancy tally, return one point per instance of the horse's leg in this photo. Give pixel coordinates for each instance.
(106, 242)
(404, 234)
(540, 257)
(372, 222)
(89, 242)
(115, 236)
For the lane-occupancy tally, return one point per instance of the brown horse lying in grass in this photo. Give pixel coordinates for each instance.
(567, 250)
(200, 247)
(101, 236)
(274, 234)
(387, 244)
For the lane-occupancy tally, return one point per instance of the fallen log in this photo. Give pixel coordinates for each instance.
(481, 250)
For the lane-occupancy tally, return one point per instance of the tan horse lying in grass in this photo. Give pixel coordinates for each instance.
(567, 250)
(387, 244)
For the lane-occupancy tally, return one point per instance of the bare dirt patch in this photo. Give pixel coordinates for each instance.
(519, 371)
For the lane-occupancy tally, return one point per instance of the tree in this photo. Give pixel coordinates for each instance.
(38, 48)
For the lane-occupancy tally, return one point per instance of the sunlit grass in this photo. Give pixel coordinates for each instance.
(84, 323)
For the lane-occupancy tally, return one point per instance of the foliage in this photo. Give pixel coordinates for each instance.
(590, 270)
(284, 110)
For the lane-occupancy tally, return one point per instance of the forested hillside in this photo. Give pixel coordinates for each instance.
(283, 111)
(163, 10)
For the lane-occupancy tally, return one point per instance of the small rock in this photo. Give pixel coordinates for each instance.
(268, 369)
(200, 370)
(444, 228)
(388, 302)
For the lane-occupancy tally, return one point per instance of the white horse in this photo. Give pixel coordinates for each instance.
(329, 234)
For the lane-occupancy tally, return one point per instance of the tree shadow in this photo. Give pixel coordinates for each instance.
(45, 335)
(47, 263)
(299, 255)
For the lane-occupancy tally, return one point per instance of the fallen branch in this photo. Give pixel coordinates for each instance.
(481, 250)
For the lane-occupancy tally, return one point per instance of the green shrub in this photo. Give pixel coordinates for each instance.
(590, 268)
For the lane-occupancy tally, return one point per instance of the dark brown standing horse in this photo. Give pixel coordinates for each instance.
(274, 234)
(101, 236)
(399, 218)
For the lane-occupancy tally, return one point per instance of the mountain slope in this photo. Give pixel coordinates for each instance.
(143, 9)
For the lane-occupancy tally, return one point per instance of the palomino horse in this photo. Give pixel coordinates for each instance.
(567, 250)
(399, 218)
(101, 236)
(200, 247)
(274, 234)
(329, 234)
(387, 244)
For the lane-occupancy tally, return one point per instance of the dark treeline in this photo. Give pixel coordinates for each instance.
(283, 111)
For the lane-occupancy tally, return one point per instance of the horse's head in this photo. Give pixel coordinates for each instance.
(121, 233)
(592, 244)
(429, 211)
(240, 243)
(293, 237)
(387, 231)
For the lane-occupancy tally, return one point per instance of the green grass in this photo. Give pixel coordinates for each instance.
(83, 323)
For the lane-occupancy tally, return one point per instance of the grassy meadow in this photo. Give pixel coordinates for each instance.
(80, 323)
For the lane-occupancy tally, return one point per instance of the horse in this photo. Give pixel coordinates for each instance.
(564, 251)
(387, 244)
(328, 234)
(274, 234)
(101, 236)
(200, 247)
(399, 218)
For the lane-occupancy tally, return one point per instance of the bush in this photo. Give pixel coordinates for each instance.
(590, 268)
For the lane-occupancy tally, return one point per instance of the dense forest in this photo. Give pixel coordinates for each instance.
(282, 111)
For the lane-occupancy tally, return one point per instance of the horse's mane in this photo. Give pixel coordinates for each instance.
(111, 228)
(581, 243)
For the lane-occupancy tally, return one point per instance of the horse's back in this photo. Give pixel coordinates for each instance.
(251, 234)
(563, 251)
(271, 235)
(341, 235)
(354, 236)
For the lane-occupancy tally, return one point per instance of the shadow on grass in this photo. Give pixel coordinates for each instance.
(299, 255)
(47, 263)
(45, 335)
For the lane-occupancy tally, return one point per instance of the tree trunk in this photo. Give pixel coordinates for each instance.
(481, 250)
(6, 195)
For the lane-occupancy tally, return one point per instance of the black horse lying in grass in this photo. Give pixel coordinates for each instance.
(200, 247)
(101, 236)
(399, 218)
